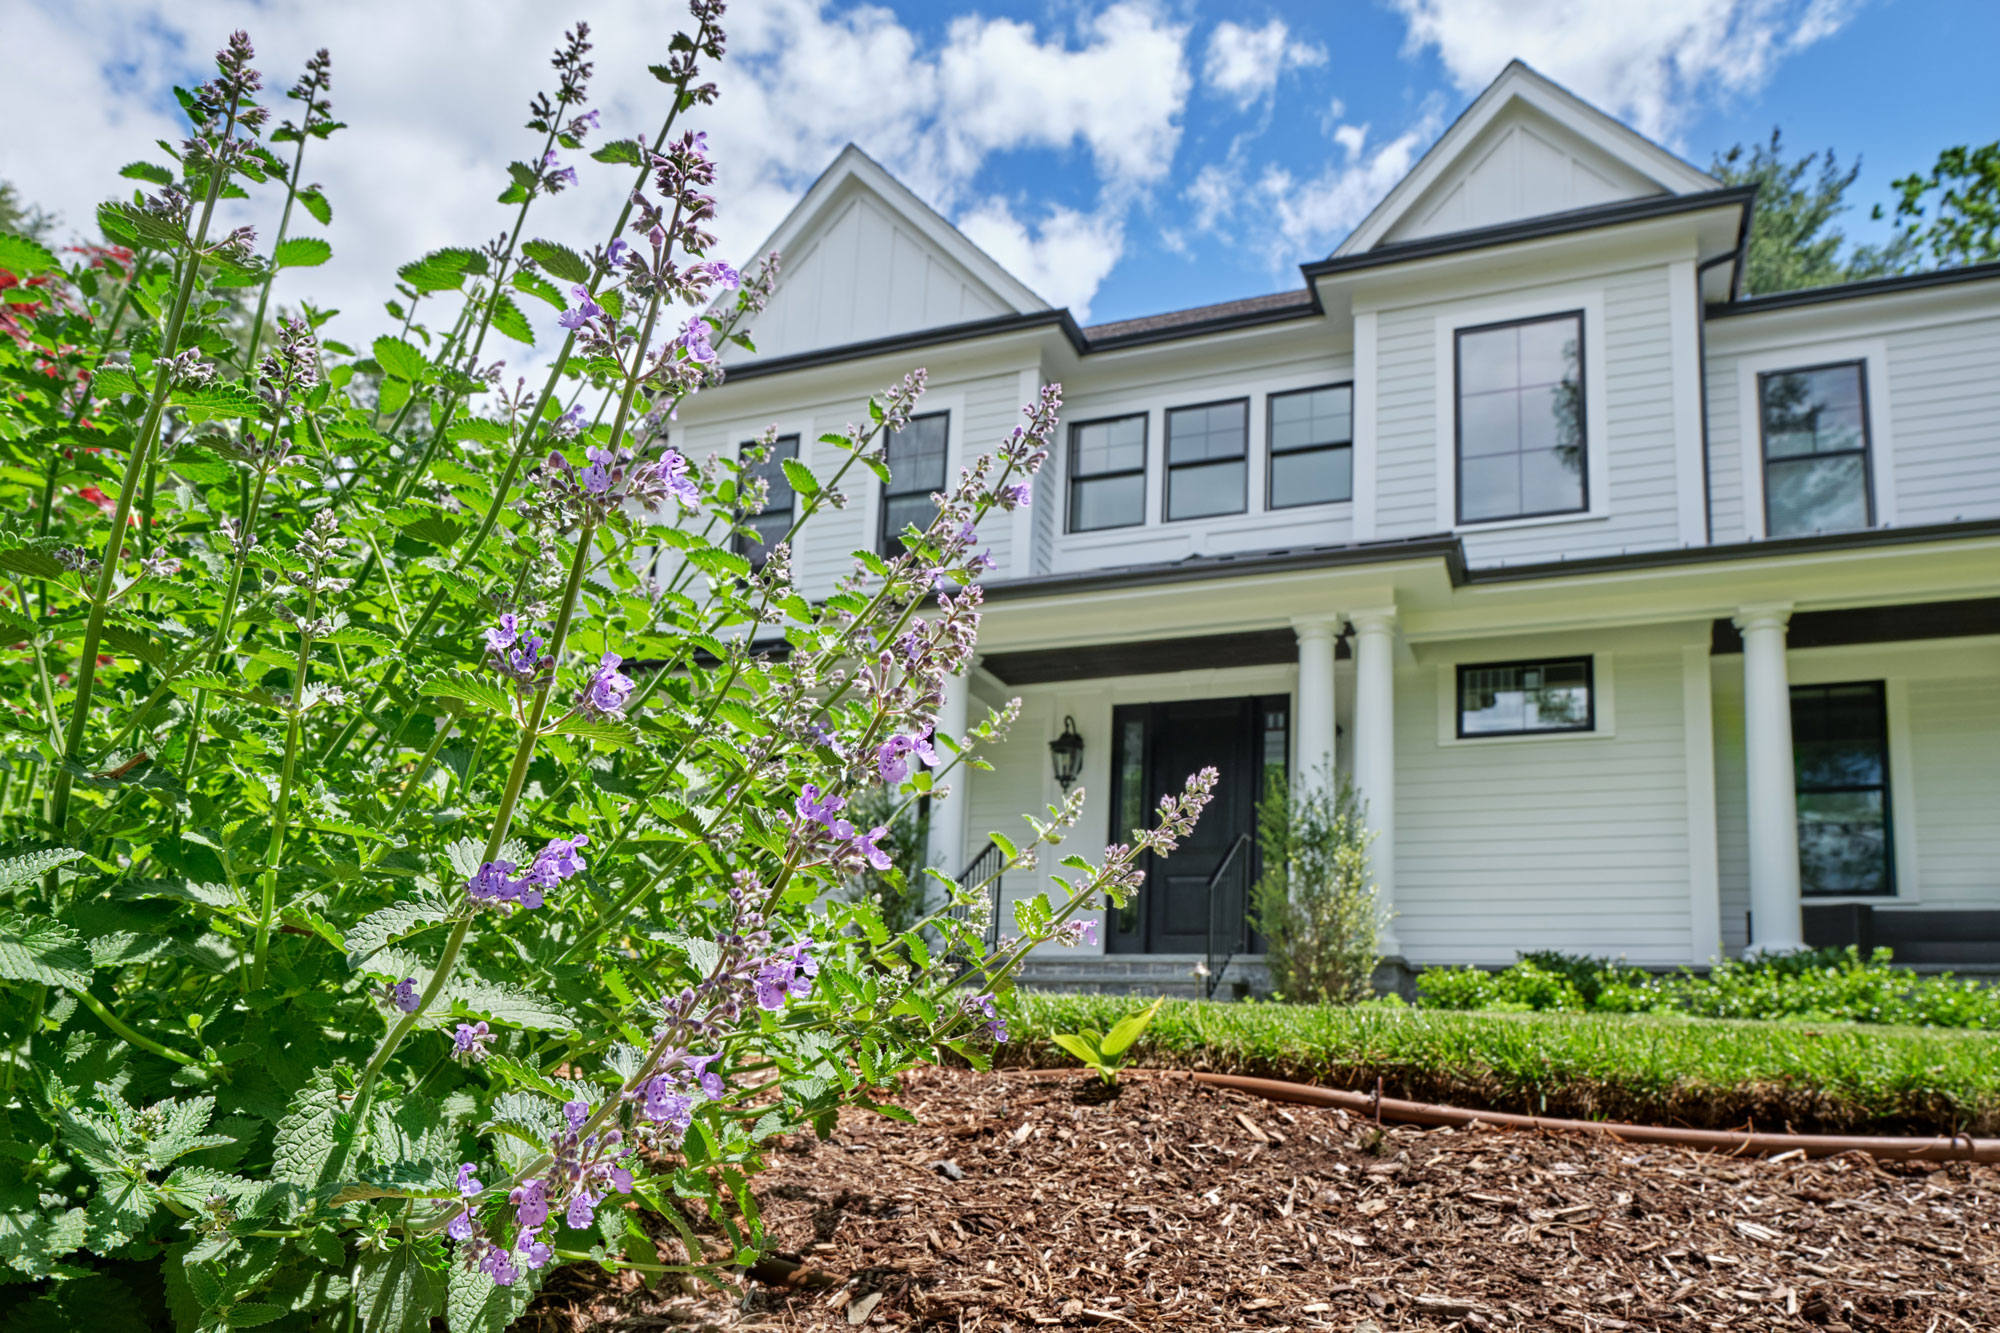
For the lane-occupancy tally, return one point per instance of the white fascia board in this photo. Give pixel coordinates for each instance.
(1518, 82)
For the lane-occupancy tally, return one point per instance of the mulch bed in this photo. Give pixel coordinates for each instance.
(1028, 1199)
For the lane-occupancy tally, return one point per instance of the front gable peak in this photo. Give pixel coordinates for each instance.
(1526, 147)
(861, 257)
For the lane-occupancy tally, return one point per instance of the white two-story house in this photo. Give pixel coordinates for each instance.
(1651, 618)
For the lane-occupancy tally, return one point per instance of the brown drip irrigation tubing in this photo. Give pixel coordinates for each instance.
(1956, 1148)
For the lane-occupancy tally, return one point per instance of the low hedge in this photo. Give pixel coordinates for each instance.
(1660, 1069)
(1824, 985)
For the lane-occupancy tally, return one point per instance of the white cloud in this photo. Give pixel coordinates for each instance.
(1063, 261)
(1647, 63)
(1244, 64)
(1286, 218)
(435, 105)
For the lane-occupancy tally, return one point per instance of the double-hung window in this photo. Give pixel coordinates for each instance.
(1840, 754)
(1312, 446)
(1526, 698)
(1107, 473)
(1208, 459)
(916, 457)
(1815, 428)
(775, 520)
(1520, 419)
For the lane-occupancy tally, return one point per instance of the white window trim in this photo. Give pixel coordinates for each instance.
(1873, 353)
(1604, 721)
(1596, 417)
(954, 432)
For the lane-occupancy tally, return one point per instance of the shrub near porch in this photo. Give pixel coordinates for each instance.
(1810, 1077)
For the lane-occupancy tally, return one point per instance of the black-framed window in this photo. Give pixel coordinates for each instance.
(1520, 419)
(1815, 428)
(1107, 473)
(1527, 698)
(780, 504)
(915, 455)
(1208, 459)
(1311, 433)
(1840, 756)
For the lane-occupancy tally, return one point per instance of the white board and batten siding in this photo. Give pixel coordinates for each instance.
(1574, 842)
(1944, 735)
(1932, 409)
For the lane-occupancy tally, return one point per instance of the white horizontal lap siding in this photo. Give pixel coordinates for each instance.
(1564, 842)
(1642, 488)
(1944, 390)
(992, 408)
(1406, 424)
(1725, 451)
(1001, 797)
(1955, 738)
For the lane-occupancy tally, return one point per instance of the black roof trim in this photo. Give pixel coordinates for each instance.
(904, 342)
(1451, 549)
(1200, 568)
(1707, 555)
(1848, 291)
(1535, 228)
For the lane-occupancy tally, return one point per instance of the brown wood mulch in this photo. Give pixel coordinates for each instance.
(1026, 1200)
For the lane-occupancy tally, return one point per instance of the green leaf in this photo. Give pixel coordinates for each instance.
(536, 285)
(561, 261)
(146, 171)
(316, 204)
(31, 557)
(118, 1210)
(1006, 847)
(250, 1314)
(478, 428)
(44, 950)
(301, 252)
(1077, 1047)
(397, 1293)
(203, 402)
(366, 638)
(138, 228)
(474, 1304)
(625, 151)
(398, 358)
(33, 865)
(25, 257)
(1128, 1030)
(442, 270)
(508, 319)
(382, 928)
(473, 689)
(608, 729)
(801, 477)
(307, 1136)
(33, 1243)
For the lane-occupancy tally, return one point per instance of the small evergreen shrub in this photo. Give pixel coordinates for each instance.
(1320, 916)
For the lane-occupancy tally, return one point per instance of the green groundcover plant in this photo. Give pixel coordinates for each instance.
(426, 856)
(1815, 985)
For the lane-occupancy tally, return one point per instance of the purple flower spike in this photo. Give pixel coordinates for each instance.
(710, 1081)
(576, 1112)
(460, 1227)
(404, 995)
(1016, 495)
(470, 1041)
(608, 689)
(694, 339)
(531, 1203)
(586, 311)
(499, 1267)
(503, 635)
(535, 1252)
(811, 806)
(468, 1184)
(614, 253)
(582, 1211)
(864, 843)
(672, 472)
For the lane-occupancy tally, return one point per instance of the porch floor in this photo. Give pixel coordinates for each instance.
(1140, 974)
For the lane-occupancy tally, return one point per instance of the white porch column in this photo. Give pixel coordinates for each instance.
(1314, 725)
(1776, 924)
(945, 844)
(1375, 749)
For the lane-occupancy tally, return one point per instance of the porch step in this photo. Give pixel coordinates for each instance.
(1170, 974)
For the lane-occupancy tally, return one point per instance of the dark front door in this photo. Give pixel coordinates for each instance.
(1155, 748)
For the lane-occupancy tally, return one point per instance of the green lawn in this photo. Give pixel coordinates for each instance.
(1709, 1073)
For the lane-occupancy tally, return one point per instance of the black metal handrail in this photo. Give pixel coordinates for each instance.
(989, 862)
(1223, 944)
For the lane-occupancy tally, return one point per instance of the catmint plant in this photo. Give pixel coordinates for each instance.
(416, 864)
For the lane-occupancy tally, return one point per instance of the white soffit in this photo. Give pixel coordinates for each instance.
(1526, 147)
(861, 257)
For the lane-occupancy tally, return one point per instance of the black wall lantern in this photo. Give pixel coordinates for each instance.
(1067, 752)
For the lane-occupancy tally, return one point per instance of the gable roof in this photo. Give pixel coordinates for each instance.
(1523, 123)
(863, 257)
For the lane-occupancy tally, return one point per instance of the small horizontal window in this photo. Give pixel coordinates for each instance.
(1526, 698)
(1208, 464)
(1107, 473)
(1312, 447)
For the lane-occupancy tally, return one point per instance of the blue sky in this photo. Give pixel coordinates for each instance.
(1122, 156)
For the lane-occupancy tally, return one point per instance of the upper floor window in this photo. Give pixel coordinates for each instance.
(1520, 419)
(915, 455)
(1312, 446)
(779, 503)
(1815, 427)
(1107, 473)
(1526, 698)
(1840, 753)
(1208, 459)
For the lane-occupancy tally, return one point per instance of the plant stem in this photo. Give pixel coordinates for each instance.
(119, 1026)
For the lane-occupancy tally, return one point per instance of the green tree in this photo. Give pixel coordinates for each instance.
(1962, 224)
(1320, 914)
(1793, 243)
(21, 217)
